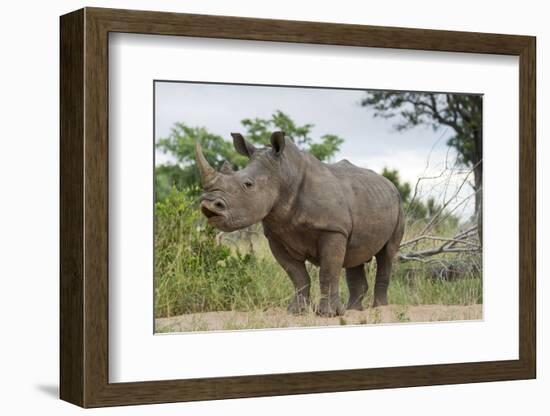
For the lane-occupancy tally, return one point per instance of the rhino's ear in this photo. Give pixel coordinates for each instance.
(226, 168)
(242, 146)
(278, 142)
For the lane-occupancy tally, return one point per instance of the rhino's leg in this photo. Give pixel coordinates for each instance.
(332, 250)
(297, 272)
(383, 272)
(384, 263)
(358, 286)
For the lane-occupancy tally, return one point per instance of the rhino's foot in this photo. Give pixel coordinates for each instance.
(330, 308)
(380, 300)
(356, 305)
(299, 305)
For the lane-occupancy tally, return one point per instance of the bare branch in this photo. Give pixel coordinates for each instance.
(438, 250)
(435, 238)
(466, 232)
(436, 216)
(450, 212)
(448, 246)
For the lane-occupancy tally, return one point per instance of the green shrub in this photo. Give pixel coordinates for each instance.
(195, 273)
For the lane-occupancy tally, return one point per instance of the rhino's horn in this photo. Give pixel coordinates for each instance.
(208, 173)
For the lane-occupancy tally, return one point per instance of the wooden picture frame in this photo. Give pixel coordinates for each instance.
(84, 207)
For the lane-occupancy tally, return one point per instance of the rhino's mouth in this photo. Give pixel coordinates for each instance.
(211, 215)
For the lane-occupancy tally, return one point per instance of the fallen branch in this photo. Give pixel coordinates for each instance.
(448, 246)
(438, 250)
(435, 238)
(466, 232)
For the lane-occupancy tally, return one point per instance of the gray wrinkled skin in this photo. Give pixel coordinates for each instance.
(332, 215)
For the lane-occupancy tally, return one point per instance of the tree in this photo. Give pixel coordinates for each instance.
(180, 143)
(460, 112)
(404, 188)
(414, 208)
(259, 130)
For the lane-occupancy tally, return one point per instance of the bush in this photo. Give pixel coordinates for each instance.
(195, 273)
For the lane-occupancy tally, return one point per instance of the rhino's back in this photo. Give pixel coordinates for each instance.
(375, 207)
(365, 183)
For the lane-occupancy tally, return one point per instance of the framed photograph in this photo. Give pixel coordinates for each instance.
(255, 207)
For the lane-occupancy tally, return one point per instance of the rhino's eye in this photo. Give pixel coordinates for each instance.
(248, 184)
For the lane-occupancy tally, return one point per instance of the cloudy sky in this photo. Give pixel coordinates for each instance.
(369, 142)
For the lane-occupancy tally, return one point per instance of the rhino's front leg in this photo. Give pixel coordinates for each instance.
(332, 250)
(297, 272)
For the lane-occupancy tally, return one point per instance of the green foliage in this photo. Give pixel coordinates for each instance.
(180, 144)
(258, 131)
(414, 208)
(324, 151)
(194, 273)
(181, 141)
(404, 188)
(461, 112)
(168, 176)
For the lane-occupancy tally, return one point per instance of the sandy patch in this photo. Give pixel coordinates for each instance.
(279, 318)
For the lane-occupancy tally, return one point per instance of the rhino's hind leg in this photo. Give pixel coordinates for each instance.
(297, 272)
(358, 286)
(384, 260)
(383, 272)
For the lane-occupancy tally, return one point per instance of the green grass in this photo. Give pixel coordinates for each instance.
(195, 273)
(198, 271)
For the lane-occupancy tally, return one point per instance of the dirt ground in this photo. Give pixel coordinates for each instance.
(279, 318)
